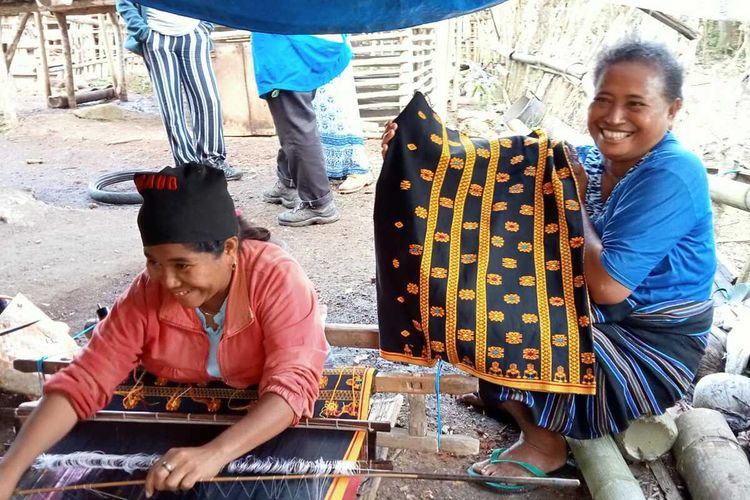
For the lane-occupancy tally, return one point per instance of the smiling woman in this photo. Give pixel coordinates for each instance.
(648, 264)
(216, 301)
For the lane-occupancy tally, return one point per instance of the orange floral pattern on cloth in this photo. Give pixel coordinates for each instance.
(491, 263)
(344, 393)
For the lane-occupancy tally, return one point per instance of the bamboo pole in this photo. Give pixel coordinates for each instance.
(44, 70)
(605, 471)
(69, 83)
(709, 458)
(648, 438)
(729, 192)
(11, 52)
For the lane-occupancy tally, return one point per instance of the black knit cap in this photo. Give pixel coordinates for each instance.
(186, 204)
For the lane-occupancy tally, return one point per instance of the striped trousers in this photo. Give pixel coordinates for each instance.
(183, 63)
(646, 361)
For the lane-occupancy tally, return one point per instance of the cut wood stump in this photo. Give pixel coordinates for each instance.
(647, 438)
(709, 458)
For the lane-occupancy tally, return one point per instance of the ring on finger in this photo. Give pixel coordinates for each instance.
(167, 466)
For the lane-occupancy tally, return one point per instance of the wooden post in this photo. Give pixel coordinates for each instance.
(16, 38)
(69, 83)
(417, 415)
(104, 39)
(605, 471)
(122, 91)
(43, 71)
(709, 458)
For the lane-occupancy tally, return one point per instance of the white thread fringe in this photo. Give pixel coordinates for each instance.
(246, 465)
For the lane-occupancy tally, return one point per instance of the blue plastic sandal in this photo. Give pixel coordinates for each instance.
(510, 488)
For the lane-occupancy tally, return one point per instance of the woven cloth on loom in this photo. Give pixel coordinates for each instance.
(479, 248)
(345, 394)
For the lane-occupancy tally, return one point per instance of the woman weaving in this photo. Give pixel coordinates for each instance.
(648, 260)
(216, 301)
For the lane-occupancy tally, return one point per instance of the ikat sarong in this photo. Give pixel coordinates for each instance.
(479, 248)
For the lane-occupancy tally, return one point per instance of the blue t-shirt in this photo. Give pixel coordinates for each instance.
(656, 226)
(299, 63)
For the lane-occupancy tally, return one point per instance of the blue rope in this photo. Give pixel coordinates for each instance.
(437, 401)
(84, 331)
(41, 373)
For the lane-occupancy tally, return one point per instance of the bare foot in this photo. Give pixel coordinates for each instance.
(472, 399)
(546, 450)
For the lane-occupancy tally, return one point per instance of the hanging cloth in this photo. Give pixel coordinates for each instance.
(299, 17)
(479, 249)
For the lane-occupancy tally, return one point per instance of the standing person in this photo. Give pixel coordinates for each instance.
(340, 127)
(216, 301)
(288, 71)
(649, 266)
(177, 53)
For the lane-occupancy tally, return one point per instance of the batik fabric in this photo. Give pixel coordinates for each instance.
(479, 248)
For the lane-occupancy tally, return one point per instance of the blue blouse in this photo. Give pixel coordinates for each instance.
(214, 335)
(656, 226)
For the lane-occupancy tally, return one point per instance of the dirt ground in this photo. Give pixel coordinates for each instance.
(67, 253)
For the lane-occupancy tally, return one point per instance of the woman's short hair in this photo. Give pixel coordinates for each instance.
(650, 53)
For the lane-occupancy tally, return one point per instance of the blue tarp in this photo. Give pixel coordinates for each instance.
(329, 16)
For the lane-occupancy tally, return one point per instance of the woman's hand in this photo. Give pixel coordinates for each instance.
(388, 134)
(181, 468)
(582, 179)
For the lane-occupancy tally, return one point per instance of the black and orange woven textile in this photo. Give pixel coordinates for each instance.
(479, 248)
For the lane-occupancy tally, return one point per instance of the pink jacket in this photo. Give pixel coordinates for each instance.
(273, 337)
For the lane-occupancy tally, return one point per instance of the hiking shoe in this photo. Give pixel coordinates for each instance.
(304, 215)
(355, 182)
(230, 173)
(281, 194)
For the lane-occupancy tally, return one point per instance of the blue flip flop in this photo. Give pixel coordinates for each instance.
(510, 488)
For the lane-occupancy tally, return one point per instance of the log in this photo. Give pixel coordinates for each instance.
(61, 101)
(729, 192)
(727, 393)
(605, 471)
(647, 438)
(738, 342)
(709, 458)
(714, 358)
